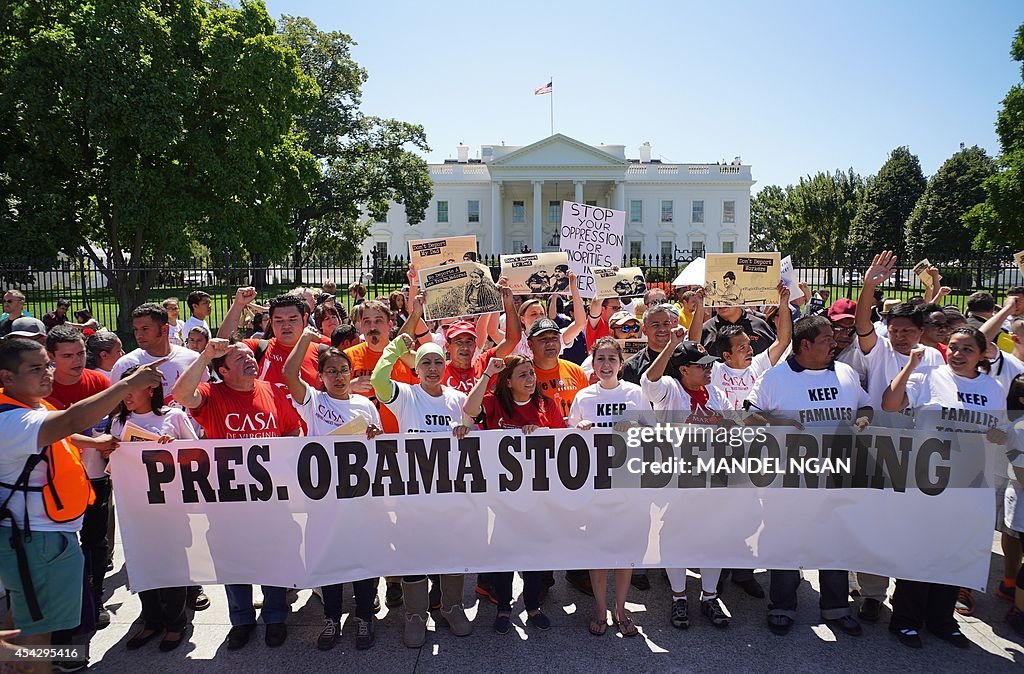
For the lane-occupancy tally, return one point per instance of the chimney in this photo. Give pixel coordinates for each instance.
(645, 153)
(463, 153)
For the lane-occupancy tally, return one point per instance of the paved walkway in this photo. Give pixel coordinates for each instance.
(745, 646)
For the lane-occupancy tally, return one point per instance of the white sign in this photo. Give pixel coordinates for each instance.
(288, 512)
(790, 279)
(592, 237)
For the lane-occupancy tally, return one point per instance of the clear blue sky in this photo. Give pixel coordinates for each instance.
(792, 87)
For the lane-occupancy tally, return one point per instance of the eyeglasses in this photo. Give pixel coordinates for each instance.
(331, 372)
(703, 366)
(840, 330)
(628, 328)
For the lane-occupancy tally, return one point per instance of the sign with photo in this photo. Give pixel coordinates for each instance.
(536, 273)
(921, 271)
(741, 279)
(464, 289)
(425, 253)
(592, 237)
(622, 282)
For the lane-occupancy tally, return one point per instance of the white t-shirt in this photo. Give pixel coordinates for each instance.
(667, 394)
(944, 401)
(827, 398)
(737, 384)
(105, 373)
(883, 364)
(606, 406)
(19, 434)
(173, 422)
(854, 357)
(194, 322)
(177, 362)
(1013, 499)
(323, 414)
(1005, 367)
(419, 412)
(176, 334)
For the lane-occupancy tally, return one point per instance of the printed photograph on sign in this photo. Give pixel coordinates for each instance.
(425, 253)
(1019, 259)
(921, 271)
(592, 237)
(743, 279)
(464, 289)
(623, 282)
(536, 273)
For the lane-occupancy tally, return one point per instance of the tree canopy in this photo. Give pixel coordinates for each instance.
(889, 199)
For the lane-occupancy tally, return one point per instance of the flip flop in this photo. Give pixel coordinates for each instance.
(626, 627)
(598, 627)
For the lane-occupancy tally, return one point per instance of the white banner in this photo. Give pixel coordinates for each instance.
(592, 237)
(304, 512)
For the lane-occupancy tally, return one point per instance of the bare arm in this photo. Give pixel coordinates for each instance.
(894, 398)
(184, 390)
(579, 315)
(697, 322)
(991, 327)
(293, 365)
(784, 333)
(880, 270)
(471, 410)
(657, 368)
(243, 296)
(513, 326)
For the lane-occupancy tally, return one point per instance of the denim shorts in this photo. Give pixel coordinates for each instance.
(56, 563)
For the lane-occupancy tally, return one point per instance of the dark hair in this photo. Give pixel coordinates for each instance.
(979, 338)
(1015, 391)
(981, 301)
(218, 362)
(953, 314)
(84, 315)
(12, 352)
(157, 399)
(729, 275)
(723, 342)
(332, 352)
(342, 334)
(323, 312)
(926, 308)
(195, 297)
(151, 310)
(503, 391)
(808, 329)
(102, 341)
(288, 301)
(908, 311)
(258, 319)
(63, 334)
(607, 342)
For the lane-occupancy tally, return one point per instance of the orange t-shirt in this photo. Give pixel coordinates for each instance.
(271, 366)
(561, 383)
(364, 359)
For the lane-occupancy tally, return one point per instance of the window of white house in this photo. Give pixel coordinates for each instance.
(554, 212)
(382, 248)
(727, 247)
(474, 210)
(442, 211)
(729, 211)
(518, 212)
(518, 245)
(634, 249)
(636, 211)
(666, 211)
(697, 249)
(697, 215)
(667, 251)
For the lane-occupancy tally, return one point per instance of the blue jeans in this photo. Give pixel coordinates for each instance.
(275, 606)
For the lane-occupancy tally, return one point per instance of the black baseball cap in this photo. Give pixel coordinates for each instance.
(692, 353)
(542, 325)
(63, 302)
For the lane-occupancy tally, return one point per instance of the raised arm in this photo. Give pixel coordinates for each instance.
(513, 326)
(414, 325)
(697, 322)
(474, 402)
(894, 398)
(784, 332)
(880, 270)
(579, 315)
(381, 377)
(293, 364)
(243, 297)
(184, 390)
(991, 327)
(657, 368)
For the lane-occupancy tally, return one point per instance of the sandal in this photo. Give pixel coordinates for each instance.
(625, 626)
(598, 627)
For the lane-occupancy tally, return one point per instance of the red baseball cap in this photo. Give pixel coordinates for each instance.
(842, 308)
(460, 328)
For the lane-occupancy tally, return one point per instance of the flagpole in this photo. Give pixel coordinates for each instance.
(552, 81)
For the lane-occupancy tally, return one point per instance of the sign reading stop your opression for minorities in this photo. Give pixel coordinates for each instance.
(592, 237)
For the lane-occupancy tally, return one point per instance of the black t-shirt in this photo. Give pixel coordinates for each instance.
(5, 326)
(760, 333)
(635, 366)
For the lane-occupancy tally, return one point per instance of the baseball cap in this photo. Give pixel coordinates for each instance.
(460, 328)
(692, 353)
(62, 302)
(542, 325)
(426, 349)
(620, 317)
(842, 308)
(27, 327)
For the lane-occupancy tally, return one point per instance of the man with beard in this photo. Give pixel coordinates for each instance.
(560, 283)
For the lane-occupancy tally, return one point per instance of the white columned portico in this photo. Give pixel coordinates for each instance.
(538, 210)
(620, 196)
(578, 184)
(497, 243)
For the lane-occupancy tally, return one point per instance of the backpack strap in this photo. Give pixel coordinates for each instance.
(261, 349)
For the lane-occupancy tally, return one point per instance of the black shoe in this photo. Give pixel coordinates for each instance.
(102, 619)
(540, 621)
(275, 635)
(907, 637)
(393, 595)
(435, 596)
(956, 638)
(138, 641)
(847, 625)
(714, 611)
(580, 581)
(69, 665)
(365, 634)
(680, 615)
(502, 624)
(751, 587)
(780, 624)
(168, 645)
(870, 610)
(640, 581)
(198, 601)
(110, 565)
(238, 636)
(329, 635)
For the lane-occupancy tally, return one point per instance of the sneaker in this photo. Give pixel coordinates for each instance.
(540, 621)
(713, 610)
(69, 665)
(102, 618)
(907, 637)
(329, 635)
(199, 601)
(965, 602)
(1015, 618)
(503, 623)
(870, 610)
(365, 634)
(238, 636)
(1005, 591)
(680, 617)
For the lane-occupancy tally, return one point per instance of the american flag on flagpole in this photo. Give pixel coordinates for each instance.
(546, 89)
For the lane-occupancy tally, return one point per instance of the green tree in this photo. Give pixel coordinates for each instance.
(140, 127)
(822, 209)
(999, 221)
(888, 201)
(769, 219)
(365, 162)
(937, 228)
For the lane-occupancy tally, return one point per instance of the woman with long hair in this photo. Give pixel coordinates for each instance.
(397, 302)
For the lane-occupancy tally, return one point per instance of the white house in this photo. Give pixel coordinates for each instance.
(512, 197)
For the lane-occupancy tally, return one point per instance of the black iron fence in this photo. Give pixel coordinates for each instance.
(85, 286)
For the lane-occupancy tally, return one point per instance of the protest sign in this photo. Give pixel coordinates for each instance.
(789, 277)
(134, 433)
(1019, 259)
(624, 282)
(464, 289)
(631, 347)
(285, 511)
(692, 275)
(536, 273)
(592, 237)
(734, 280)
(921, 271)
(425, 253)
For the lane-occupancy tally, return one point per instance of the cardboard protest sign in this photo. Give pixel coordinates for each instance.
(789, 278)
(624, 282)
(536, 273)
(425, 253)
(1019, 259)
(735, 280)
(134, 433)
(592, 237)
(464, 289)
(631, 347)
(921, 271)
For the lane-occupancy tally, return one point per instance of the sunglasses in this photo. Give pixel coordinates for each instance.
(840, 330)
(703, 366)
(628, 328)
